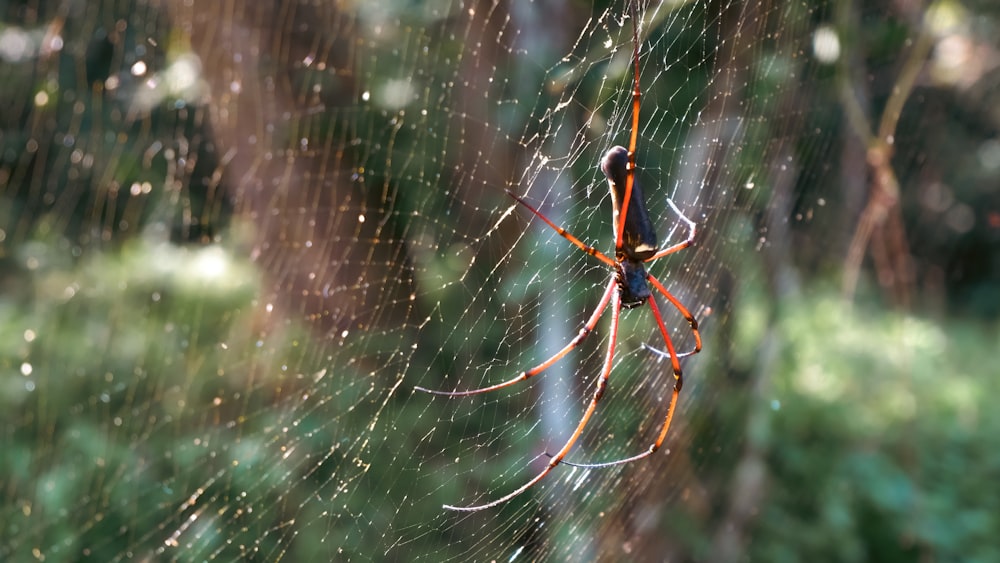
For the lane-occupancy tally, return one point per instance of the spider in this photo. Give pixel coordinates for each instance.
(629, 287)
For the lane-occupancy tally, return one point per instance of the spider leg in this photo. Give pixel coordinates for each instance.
(678, 383)
(602, 384)
(634, 137)
(584, 332)
(683, 311)
(681, 245)
(566, 234)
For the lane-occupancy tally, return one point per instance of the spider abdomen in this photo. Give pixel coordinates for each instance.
(638, 236)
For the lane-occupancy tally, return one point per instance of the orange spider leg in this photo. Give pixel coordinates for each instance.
(633, 139)
(602, 384)
(678, 383)
(565, 234)
(681, 245)
(684, 312)
(586, 330)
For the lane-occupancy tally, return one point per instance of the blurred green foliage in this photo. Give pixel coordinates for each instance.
(883, 441)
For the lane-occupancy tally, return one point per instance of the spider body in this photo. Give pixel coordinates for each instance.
(638, 238)
(630, 286)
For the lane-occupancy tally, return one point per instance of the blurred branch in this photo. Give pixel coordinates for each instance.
(881, 224)
(750, 479)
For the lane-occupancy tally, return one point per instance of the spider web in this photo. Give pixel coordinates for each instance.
(237, 234)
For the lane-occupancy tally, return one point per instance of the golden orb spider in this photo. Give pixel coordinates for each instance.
(629, 287)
